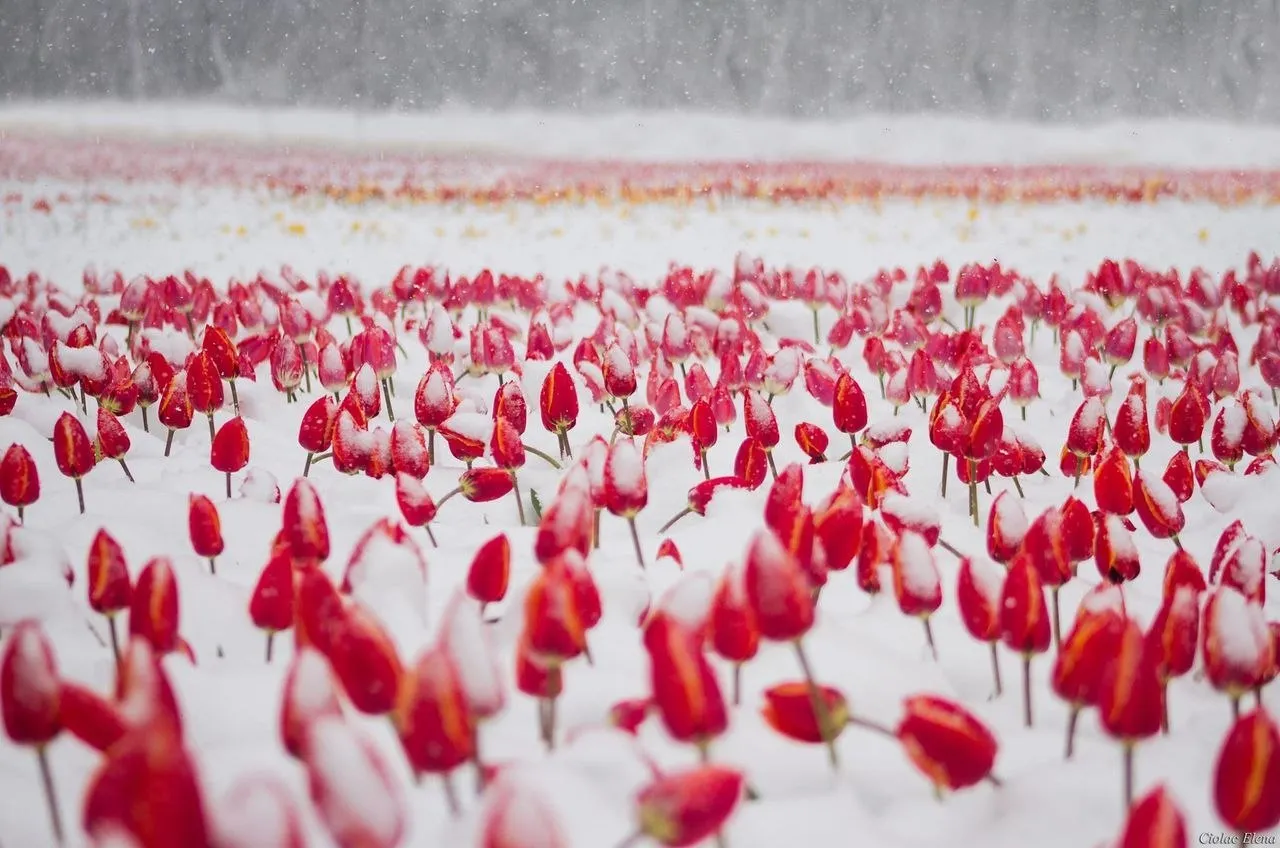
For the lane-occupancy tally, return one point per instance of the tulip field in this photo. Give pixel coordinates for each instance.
(370, 496)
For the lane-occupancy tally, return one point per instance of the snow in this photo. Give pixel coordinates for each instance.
(255, 813)
(366, 382)
(1121, 539)
(1246, 562)
(389, 574)
(895, 456)
(81, 361)
(436, 391)
(1090, 414)
(688, 600)
(1104, 599)
(916, 513)
(471, 425)
(916, 564)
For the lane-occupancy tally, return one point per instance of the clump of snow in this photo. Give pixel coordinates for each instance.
(1121, 539)
(311, 685)
(1245, 565)
(257, 811)
(1234, 420)
(624, 469)
(471, 425)
(896, 456)
(1238, 628)
(173, 347)
(1090, 415)
(388, 563)
(260, 485)
(1103, 598)
(988, 578)
(916, 565)
(366, 382)
(1010, 519)
(689, 600)
(463, 636)
(83, 362)
(1162, 497)
(915, 513)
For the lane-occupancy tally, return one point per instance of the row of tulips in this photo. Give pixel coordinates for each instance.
(391, 176)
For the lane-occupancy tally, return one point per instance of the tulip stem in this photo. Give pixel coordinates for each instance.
(228, 485)
(1026, 689)
(995, 668)
(633, 839)
(1164, 707)
(125, 467)
(146, 425)
(946, 464)
(1235, 707)
(80, 494)
(679, 515)
(213, 566)
(431, 446)
(973, 491)
(950, 548)
(168, 442)
(706, 469)
(306, 469)
(431, 536)
(115, 641)
(819, 705)
(1057, 618)
(271, 639)
(928, 637)
(737, 684)
(1017, 484)
(306, 367)
(1073, 717)
(235, 397)
(212, 431)
(635, 541)
(1128, 774)
(595, 529)
(773, 469)
(445, 499)
(515, 490)
(874, 727)
(533, 451)
(451, 794)
(50, 795)
(386, 400)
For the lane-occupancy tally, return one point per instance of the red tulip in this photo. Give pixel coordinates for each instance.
(259, 812)
(1158, 507)
(1154, 822)
(626, 489)
(1086, 654)
(30, 701)
(490, 571)
(365, 662)
(978, 593)
(685, 690)
(19, 479)
(431, 716)
(113, 442)
(148, 789)
(1115, 553)
(1246, 791)
(946, 743)
(1024, 620)
(682, 808)
(789, 709)
(230, 450)
(315, 433)
(558, 403)
(175, 407)
(271, 606)
(89, 717)
(1113, 483)
(154, 612)
(916, 582)
(1237, 647)
(1188, 415)
(73, 451)
(304, 524)
(813, 441)
(110, 590)
(1131, 698)
(205, 529)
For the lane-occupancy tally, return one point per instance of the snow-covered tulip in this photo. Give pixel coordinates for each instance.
(1085, 654)
(517, 814)
(258, 812)
(686, 692)
(153, 614)
(1236, 647)
(29, 702)
(416, 505)
(916, 582)
(175, 407)
(626, 488)
(303, 523)
(432, 719)
(1024, 621)
(1157, 506)
(309, 694)
(352, 786)
(112, 441)
(558, 404)
(978, 590)
(147, 788)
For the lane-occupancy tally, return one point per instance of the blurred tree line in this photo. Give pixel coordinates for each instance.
(1038, 59)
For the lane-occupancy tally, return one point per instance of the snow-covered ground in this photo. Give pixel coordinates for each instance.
(863, 645)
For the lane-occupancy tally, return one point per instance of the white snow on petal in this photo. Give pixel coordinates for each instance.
(895, 456)
(464, 637)
(988, 578)
(1090, 415)
(1234, 419)
(472, 425)
(1121, 539)
(1247, 564)
(82, 361)
(358, 796)
(915, 560)
(915, 513)
(1162, 496)
(1239, 628)
(1104, 598)
(1010, 518)
(689, 600)
(625, 468)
